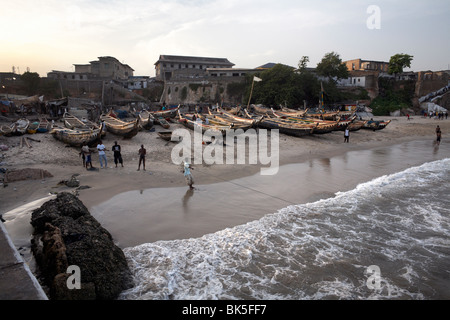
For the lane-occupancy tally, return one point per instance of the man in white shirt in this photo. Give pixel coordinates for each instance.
(101, 154)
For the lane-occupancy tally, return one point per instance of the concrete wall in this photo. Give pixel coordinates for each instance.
(210, 91)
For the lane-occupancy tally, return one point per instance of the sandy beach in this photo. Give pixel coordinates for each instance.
(62, 162)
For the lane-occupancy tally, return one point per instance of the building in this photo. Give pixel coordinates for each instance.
(366, 65)
(103, 68)
(178, 67)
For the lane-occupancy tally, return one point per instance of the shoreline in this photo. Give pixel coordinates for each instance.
(62, 162)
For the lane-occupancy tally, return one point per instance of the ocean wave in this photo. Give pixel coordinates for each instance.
(317, 250)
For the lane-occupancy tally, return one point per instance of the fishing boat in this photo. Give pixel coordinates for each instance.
(75, 137)
(334, 115)
(211, 128)
(376, 125)
(162, 122)
(20, 127)
(260, 110)
(232, 117)
(121, 128)
(167, 135)
(44, 126)
(323, 126)
(7, 130)
(168, 113)
(356, 125)
(32, 127)
(289, 113)
(146, 121)
(73, 122)
(288, 127)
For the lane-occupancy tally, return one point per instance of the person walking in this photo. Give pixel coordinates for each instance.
(346, 135)
(87, 153)
(117, 154)
(438, 135)
(142, 153)
(188, 175)
(101, 154)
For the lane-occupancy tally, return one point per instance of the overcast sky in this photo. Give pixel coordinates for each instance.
(50, 35)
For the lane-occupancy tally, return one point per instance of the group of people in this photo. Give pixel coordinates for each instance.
(86, 154)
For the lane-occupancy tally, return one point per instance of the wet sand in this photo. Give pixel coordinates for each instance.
(146, 206)
(149, 215)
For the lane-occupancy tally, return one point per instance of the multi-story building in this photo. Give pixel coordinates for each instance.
(366, 65)
(103, 68)
(178, 67)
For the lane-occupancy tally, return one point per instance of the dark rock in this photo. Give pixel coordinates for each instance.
(66, 234)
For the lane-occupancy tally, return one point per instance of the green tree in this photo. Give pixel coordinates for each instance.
(303, 63)
(398, 62)
(31, 81)
(331, 66)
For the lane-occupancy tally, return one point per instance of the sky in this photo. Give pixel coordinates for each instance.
(48, 35)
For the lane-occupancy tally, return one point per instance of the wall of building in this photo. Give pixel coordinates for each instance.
(210, 91)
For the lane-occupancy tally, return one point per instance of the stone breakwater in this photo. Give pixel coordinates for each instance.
(67, 235)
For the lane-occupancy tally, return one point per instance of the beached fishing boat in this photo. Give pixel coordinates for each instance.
(21, 126)
(44, 126)
(167, 135)
(119, 127)
(223, 114)
(356, 125)
(168, 113)
(289, 113)
(7, 130)
(146, 121)
(288, 127)
(323, 126)
(191, 124)
(73, 122)
(75, 137)
(32, 127)
(376, 125)
(162, 122)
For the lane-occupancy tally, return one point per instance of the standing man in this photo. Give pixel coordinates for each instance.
(117, 154)
(101, 154)
(142, 153)
(346, 135)
(438, 135)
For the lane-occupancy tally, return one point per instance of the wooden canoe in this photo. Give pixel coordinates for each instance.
(21, 126)
(32, 127)
(188, 123)
(44, 126)
(121, 128)
(146, 121)
(286, 127)
(376, 125)
(75, 137)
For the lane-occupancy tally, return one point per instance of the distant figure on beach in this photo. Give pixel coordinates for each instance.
(142, 153)
(187, 174)
(438, 135)
(83, 155)
(346, 135)
(87, 153)
(117, 154)
(407, 116)
(102, 154)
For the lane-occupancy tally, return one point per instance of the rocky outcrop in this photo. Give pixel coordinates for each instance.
(66, 234)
